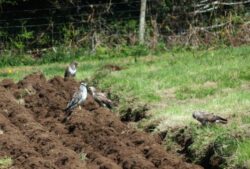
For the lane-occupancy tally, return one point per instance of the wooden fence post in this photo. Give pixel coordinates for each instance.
(142, 21)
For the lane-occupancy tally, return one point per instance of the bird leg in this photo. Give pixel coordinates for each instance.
(80, 108)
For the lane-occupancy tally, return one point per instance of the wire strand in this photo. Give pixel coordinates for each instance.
(60, 16)
(62, 23)
(80, 6)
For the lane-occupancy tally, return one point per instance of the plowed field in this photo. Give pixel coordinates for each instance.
(36, 137)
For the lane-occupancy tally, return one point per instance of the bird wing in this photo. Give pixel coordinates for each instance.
(212, 118)
(66, 73)
(84, 95)
(103, 98)
(202, 117)
(220, 119)
(209, 116)
(75, 100)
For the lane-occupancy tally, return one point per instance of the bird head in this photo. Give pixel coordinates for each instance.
(74, 63)
(83, 86)
(194, 115)
(92, 89)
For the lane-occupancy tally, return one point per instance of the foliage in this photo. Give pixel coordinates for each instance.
(105, 25)
(5, 162)
(244, 153)
(59, 54)
(67, 54)
(12, 2)
(10, 59)
(83, 156)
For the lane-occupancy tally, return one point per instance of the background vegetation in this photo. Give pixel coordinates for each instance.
(31, 30)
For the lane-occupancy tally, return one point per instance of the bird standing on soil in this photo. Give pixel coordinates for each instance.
(205, 117)
(70, 71)
(78, 98)
(101, 98)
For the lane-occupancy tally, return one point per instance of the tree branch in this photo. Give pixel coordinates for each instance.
(204, 7)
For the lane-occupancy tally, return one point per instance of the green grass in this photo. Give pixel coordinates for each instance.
(244, 153)
(5, 162)
(83, 156)
(189, 92)
(63, 54)
(173, 84)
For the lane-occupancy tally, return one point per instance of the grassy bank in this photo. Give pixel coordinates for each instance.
(173, 85)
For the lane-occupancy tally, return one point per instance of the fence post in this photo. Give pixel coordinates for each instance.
(142, 21)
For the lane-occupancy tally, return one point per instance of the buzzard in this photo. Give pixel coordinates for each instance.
(70, 71)
(205, 117)
(101, 98)
(78, 98)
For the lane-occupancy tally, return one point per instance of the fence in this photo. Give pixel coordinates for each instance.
(115, 22)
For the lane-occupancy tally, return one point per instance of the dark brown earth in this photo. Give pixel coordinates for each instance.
(112, 67)
(34, 136)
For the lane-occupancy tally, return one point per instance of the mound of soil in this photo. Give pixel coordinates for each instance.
(35, 136)
(113, 67)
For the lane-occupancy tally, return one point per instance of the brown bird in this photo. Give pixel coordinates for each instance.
(70, 71)
(205, 117)
(101, 98)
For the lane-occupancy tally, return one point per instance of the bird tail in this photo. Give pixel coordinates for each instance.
(221, 120)
(66, 109)
(66, 73)
(109, 105)
(68, 112)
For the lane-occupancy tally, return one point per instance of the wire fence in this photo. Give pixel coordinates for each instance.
(117, 22)
(57, 23)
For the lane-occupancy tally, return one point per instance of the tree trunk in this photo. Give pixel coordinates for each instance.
(142, 21)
